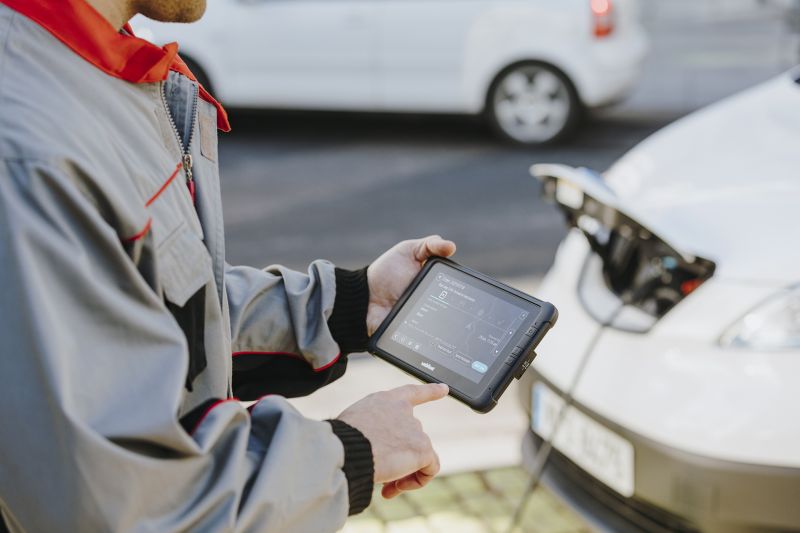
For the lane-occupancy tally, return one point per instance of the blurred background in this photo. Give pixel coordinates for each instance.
(306, 174)
(300, 186)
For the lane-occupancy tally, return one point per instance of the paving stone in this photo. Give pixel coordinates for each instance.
(427, 507)
(508, 480)
(434, 495)
(466, 484)
(411, 525)
(452, 521)
(486, 506)
(363, 525)
(463, 503)
(393, 510)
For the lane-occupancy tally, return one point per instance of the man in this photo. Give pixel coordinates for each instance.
(126, 338)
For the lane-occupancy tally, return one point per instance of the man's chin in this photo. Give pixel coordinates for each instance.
(172, 10)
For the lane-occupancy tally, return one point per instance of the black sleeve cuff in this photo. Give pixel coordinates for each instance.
(358, 468)
(348, 322)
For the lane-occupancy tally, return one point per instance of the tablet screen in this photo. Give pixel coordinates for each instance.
(457, 322)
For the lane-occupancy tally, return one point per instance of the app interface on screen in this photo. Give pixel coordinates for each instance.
(453, 323)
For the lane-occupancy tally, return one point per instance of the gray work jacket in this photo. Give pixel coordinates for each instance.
(123, 332)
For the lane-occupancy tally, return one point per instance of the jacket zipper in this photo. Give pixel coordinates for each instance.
(186, 157)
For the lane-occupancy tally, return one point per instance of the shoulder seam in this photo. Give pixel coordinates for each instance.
(3, 54)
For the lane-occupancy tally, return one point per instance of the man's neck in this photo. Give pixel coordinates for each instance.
(116, 12)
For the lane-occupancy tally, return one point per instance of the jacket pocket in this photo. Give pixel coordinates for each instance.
(184, 264)
(185, 271)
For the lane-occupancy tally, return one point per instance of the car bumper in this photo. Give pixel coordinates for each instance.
(675, 385)
(675, 490)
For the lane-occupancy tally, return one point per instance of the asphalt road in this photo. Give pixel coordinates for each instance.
(299, 186)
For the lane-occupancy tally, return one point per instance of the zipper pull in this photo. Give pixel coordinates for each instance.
(187, 168)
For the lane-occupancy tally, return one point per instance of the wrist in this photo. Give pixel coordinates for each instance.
(358, 467)
(348, 321)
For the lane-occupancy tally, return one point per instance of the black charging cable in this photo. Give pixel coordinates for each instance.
(543, 453)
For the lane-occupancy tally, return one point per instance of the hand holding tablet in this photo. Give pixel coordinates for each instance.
(456, 326)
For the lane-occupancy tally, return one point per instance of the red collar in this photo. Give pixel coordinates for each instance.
(76, 24)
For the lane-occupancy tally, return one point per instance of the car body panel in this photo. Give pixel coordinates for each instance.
(724, 182)
(714, 428)
(734, 210)
(279, 55)
(677, 491)
(397, 55)
(678, 386)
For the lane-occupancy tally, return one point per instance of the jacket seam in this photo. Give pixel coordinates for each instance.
(144, 231)
(164, 186)
(4, 55)
(208, 412)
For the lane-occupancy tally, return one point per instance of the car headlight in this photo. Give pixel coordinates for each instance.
(772, 325)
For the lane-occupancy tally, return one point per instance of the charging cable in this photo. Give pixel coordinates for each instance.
(543, 454)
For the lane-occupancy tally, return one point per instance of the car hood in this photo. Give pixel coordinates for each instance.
(723, 183)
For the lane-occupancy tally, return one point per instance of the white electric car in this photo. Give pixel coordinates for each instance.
(687, 413)
(530, 66)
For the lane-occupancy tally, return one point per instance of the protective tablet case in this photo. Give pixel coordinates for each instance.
(488, 397)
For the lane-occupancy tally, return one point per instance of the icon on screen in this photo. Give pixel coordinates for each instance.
(479, 367)
(443, 295)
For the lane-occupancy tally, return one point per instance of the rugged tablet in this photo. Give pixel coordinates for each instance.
(456, 326)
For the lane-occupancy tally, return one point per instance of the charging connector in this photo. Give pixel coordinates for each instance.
(543, 454)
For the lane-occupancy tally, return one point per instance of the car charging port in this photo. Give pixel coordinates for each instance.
(627, 263)
(643, 270)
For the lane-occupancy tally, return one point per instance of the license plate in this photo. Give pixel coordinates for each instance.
(596, 449)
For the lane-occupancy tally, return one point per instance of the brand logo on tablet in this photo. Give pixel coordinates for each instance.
(429, 366)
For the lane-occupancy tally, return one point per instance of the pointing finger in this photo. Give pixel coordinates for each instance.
(419, 394)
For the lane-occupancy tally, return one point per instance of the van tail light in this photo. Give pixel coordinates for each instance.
(603, 18)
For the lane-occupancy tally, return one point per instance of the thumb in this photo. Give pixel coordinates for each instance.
(433, 245)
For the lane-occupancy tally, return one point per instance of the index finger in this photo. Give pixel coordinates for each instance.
(419, 394)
